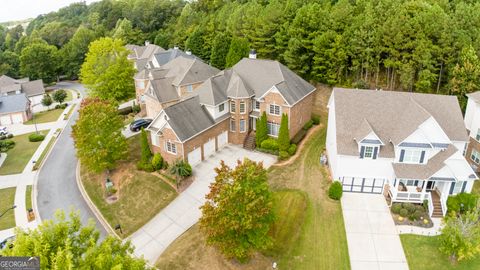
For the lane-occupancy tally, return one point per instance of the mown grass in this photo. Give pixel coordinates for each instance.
(45, 117)
(19, 156)
(28, 197)
(40, 159)
(7, 199)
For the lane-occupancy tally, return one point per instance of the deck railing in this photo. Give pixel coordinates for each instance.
(428, 197)
(416, 197)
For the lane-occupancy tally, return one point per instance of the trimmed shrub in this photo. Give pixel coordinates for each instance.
(282, 155)
(292, 149)
(61, 106)
(3, 137)
(299, 136)
(157, 162)
(136, 109)
(462, 202)
(146, 153)
(284, 135)
(268, 151)
(396, 207)
(315, 119)
(403, 212)
(261, 133)
(9, 136)
(308, 125)
(410, 207)
(145, 166)
(36, 137)
(270, 144)
(417, 214)
(335, 191)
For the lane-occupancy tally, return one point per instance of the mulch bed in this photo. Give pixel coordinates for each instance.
(418, 223)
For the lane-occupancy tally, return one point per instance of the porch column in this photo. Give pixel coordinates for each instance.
(424, 190)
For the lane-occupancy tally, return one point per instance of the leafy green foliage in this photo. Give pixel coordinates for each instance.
(462, 203)
(292, 149)
(106, 71)
(284, 134)
(315, 119)
(180, 169)
(220, 48)
(73, 53)
(308, 125)
(97, 135)
(335, 191)
(270, 144)
(237, 215)
(261, 132)
(6, 145)
(36, 137)
(460, 238)
(59, 96)
(238, 49)
(466, 75)
(157, 162)
(39, 61)
(66, 244)
(47, 100)
(145, 162)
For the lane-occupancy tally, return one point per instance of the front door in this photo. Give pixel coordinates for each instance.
(253, 123)
(430, 185)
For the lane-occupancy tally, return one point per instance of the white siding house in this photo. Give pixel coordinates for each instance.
(407, 146)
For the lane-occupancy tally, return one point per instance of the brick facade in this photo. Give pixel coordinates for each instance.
(238, 137)
(183, 88)
(473, 144)
(202, 138)
(168, 135)
(153, 107)
(300, 113)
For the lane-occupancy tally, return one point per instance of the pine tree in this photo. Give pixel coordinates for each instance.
(238, 50)
(221, 45)
(284, 134)
(261, 133)
(146, 154)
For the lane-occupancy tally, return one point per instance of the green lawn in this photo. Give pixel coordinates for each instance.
(28, 197)
(69, 95)
(423, 254)
(7, 198)
(141, 195)
(45, 117)
(476, 187)
(39, 161)
(18, 156)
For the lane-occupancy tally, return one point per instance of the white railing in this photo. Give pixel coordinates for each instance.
(428, 197)
(406, 196)
(443, 202)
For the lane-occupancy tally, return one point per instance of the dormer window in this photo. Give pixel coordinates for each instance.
(189, 88)
(412, 156)
(221, 107)
(369, 151)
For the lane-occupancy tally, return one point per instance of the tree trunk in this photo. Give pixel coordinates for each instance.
(376, 75)
(440, 77)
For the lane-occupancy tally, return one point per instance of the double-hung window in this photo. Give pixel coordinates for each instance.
(475, 156)
(458, 187)
(232, 106)
(412, 156)
(273, 129)
(171, 147)
(242, 125)
(221, 107)
(256, 105)
(242, 107)
(274, 109)
(368, 152)
(232, 125)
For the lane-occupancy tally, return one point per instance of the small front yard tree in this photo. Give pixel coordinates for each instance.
(66, 244)
(261, 133)
(284, 134)
(97, 135)
(47, 100)
(145, 162)
(238, 213)
(180, 169)
(59, 96)
(460, 238)
(107, 72)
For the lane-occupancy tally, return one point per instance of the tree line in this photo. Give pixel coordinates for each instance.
(406, 45)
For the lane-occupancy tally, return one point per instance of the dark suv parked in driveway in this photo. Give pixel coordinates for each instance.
(138, 124)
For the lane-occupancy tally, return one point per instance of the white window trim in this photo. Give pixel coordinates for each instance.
(233, 106)
(244, 107)
(255, 105)
(271, 123)
(173, 146)
(244, 126)
(477, 136)
(220, 106)
(475, 155)
(189, 88)
(279, 109)
(365, 151)
(234, 125)
(416, 151)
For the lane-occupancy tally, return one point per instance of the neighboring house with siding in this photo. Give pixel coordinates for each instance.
(34, 90)
(14, 109)
(225, 107)
(408, 146)
(141, 55)
(472, 122)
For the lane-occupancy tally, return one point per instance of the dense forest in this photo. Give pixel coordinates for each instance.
(417, 45)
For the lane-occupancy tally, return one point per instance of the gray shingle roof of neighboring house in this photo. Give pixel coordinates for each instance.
(257, 76)
(211, 91)
(33, 88)
(30, 88)
(170, 54)
(163, 89)
(10, 88)
(13, 103)
(188, 70)
(393, 116)
(424, 171)
(141, 64)
(188, 118)
(133, 50)
(5, 80)
(475, 96)
(149, 51)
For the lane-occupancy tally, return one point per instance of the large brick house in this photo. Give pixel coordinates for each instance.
(225, 107)
(472, 123)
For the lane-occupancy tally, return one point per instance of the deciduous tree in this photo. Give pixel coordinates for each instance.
(221, 45)
(466, 75)
(59, 96)
(39, 61)
(47, 100)
(238, 50)
(97, 135)
(238, 212)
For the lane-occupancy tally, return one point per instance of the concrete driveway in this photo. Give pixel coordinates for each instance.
(183, 212)
(373, 241)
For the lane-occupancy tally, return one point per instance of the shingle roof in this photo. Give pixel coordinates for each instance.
(5, 80)
(164, 90)
(170, 54)
(188, 71)
(33, 88)
(211, 91)
(149, 50)
(30, 88)
(188, 118)
(13, 103)
(393, 116)
(424, 171)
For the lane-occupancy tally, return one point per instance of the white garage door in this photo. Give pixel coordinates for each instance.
(195, 157)
(5, 120)
(17, 118)
(222, 139)
(209, 148)
(364, 185)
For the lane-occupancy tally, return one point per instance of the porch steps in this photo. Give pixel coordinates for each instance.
(437, 206)
(249, 142)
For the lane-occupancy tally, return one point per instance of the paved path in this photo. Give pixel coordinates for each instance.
(153, 238)
(373, 241)
(56, 184)
(19, 129)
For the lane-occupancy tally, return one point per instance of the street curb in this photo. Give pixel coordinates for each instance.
(91, 205)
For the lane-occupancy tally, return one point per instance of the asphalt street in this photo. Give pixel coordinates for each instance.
(57, 187)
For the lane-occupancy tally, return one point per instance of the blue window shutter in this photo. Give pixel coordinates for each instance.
(375, 152)
(415, 183)
(402, 153)
(362, 151)
(422, 156)
(452, 186)
(464, 186)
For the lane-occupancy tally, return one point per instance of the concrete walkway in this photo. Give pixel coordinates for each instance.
(373, 241)
(153, 238)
